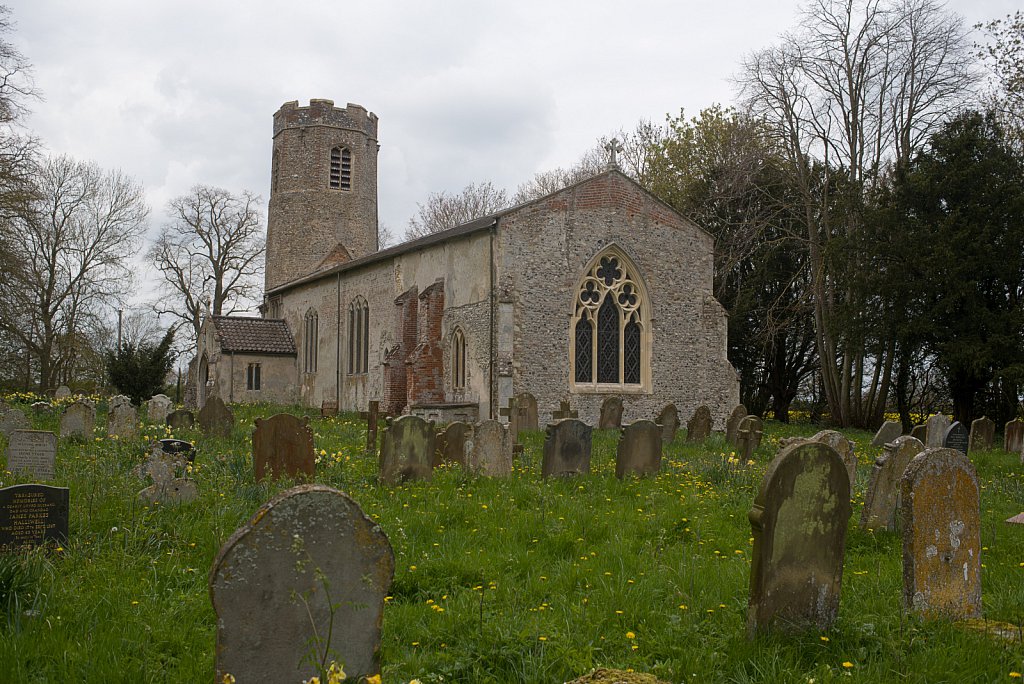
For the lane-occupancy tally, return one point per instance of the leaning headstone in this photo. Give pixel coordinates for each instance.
(215, 418)
(282, 446)
(732, 424)
(527, 416)
(882, 498)
(309, 571)
(32, 453)
(611, 414)
(31, 515)
(937, 426)
(13, 420)
(889, 431)
(941, 517)
(158, 408)
(983, 434)
(63, 392)
(956, 437)
(919, 432)
(698, 428)
(181, 419)
(639, 449)
(123, 422)
(668, 419)
(451, 444)
(78, 420)
(489, 449)
(799, 523)
(167, 470)
(1013, 436)
(844, 447)
(1016, 520)
(748, 437)
(407, 450)
(567, 445)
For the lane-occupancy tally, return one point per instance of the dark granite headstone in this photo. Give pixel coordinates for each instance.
(882, 498)
(983, 434)
(407, 450)
(611, 414)
(215, 418)
(639, 449)
(956, 437)
(698, 428)
(668, 419)
(282, 445)
(32, 514)
(567, 445)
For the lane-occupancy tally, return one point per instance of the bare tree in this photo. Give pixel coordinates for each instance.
(211, 251)
(70, 260)
(385, 236)
(1003, 54)
(443, 210)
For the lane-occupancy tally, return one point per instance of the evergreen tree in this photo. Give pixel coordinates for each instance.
(138, 370)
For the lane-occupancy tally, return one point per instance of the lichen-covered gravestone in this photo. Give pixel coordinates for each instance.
(799, 523)
(698, 428)
(167, 470)
(941, 517)
(611, 414)
(123, 421)
(844, 447)
(937, 426)
(32, 453)
(889, 431)
(639, 449)
(13, 420)
(748, 437)
(119, 400)
(451, 444)
(956, 437)
(78, 420)
(1013, 436)
(881, 500)
(282, 445)
(732, 424)
(567, 445)
(407, 450)
(307, 575)
(63, 392)
(668, 419)
(181, 419)
(215, 418)
(526, 408)
(489, 449)
(158, 408)
(983, 433)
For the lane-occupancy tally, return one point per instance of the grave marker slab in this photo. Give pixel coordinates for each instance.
(181, 419)
(1013, 436)
(611, 414)
(567, 445)
(489, 449)
(698, 428)
(407, 450)
(732, 424)
(328, 408)
(937, 426)
(13, 420)
(668, 419)
(32, 453)
(1016, 520)
(31, 515)
(882, 498)
(919, 432)
(639, 449)
(983, 434)
(956, 437)
(371, 416)
(748, 437)
(282, 445)
(526, 412)
(565, 412)
(799, 523)
(119, 400)
(63, 392)
(889, 431)
(167, 470)
(215, 418)
(268, 582)
(158, 408)
(941, 516)
(123, 422)
(844, 447)
(78, 420)
(451, 444)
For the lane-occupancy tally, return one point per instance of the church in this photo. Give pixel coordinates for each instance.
(595, 290)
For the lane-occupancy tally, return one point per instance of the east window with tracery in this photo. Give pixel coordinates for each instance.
(610, 327)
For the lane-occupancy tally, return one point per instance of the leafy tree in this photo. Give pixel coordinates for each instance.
(1004, 56)
(139, 369)
(443, 210)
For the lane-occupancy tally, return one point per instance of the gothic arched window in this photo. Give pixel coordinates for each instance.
(341, 169)
(358, 336)
(610, 330)
(458, 358)
(311, 347)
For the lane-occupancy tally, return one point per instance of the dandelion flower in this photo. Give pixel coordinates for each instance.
(630, 635)
(847, 664)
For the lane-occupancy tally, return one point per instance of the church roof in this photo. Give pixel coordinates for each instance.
(254, 335)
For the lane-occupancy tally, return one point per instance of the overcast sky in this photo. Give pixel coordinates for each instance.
(179, 92)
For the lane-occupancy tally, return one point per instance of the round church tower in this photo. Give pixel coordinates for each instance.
(323, 189)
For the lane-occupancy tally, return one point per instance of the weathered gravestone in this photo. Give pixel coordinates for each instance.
(937, 426)
(567, 445)
(123, 422)
(639, 449)
(564, 411)
(167, 470)
(63, 392)
(748, 437)
(31, 515)
(306, 575)
(698, 428)
(983, 434)
(1016, 520)
(956, 437)
(611, 414)
(328, 408)
(215, 418)
(372, 416)
(889, 431)
(451, 444)
(41, 407)
(119, 400)
(732, 424)
(489, 449)
(407, 450)
(844, 447)
(919, 432)
(13, 420)
(78, 420)
(668, 419)
(527, 417)
(158, 408)
(32, 453)
(181, 419)
(799, 523)
(882, 498)
(282, 445)
(941, 518)
(1013, 436)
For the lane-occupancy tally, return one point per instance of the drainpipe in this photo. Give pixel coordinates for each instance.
(337, 346)
(493, 390)
(231, 382)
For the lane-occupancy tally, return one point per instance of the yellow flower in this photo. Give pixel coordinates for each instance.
(824, 638)
(375, 679)
(1015, 675)
(847, 664)
(311, 680)
(228, 678)
(335, 674)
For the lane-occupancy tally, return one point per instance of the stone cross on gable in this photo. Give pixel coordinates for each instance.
(613, 148)
(564, 412)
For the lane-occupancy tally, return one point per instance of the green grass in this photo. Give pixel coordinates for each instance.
(497, 580)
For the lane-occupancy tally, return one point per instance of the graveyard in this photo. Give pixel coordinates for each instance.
(501, 574)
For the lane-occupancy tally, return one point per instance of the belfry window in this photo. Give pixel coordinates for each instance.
(358, 336)
(310, 344)
(341, 169)
(458, 359)
(610, 332)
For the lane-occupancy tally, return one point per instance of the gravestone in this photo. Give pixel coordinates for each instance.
(937, 426)
(451, 444)
(511, 413)
(282, 445)
(639, 449)
(167, 470)
(407, 450)
(748, 437)
(983, 433)
(668, 419)
(372, 416)
(565, 412)
(919, 432)
(732, 424)
(567, 445)
(844, 447)
(889, 431)
(179, 447)
(32, 453)
(799, 521)
(328, 408)
(309, 562)
(611, 414)
(157, 409)
(181, 419)
(941, 517)
(882, 499)
(215, 418)
(78, 420)
(119, 400)
(489, 449)
(526, 412)
(1016, 520)
(41, 407)
(13, 420)
(956, 437)
(63, 392)
(31, 515)
(1013, 436)
(698, 428)
(123, 421)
